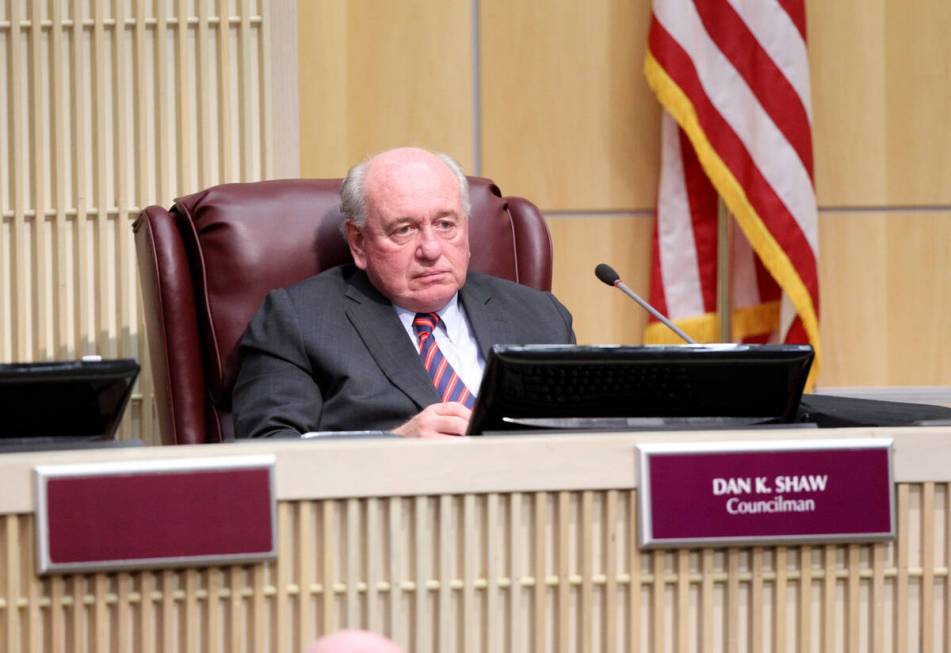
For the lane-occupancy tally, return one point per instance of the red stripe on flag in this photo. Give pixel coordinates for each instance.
(770, 208)
(702, 198)
(765, 79)
(797, 13)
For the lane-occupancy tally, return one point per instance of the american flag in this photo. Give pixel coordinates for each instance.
(733, 79)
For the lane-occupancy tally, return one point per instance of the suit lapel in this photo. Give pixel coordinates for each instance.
(373, 317)
(489, 324)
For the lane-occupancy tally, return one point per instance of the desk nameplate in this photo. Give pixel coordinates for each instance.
(140, 514)
(730, 493)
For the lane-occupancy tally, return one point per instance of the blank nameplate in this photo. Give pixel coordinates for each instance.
(161, 513)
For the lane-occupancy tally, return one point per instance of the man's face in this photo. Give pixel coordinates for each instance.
(415, 245)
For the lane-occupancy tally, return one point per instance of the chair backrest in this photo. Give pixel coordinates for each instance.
(206, 264)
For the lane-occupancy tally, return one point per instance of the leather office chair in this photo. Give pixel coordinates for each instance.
(206, 264)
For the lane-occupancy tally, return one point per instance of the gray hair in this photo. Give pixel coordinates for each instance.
(353, 202)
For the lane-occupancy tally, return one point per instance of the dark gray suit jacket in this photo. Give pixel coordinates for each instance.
(330, 354)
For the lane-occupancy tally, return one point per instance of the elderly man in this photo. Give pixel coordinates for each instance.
(397, 340)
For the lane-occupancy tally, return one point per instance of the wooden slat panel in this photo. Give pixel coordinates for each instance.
(378, 75)
(96, 605)
(102, 120)
(567, 118)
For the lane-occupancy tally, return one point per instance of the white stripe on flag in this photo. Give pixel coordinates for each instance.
(779, 36)
(774, 157)
(744, 282)
(676, 244)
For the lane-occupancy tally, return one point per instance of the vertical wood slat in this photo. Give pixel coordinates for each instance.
(259, 621)
(757, 602)
(706, 601)
(586, 605)
(563, 620)
(213, 633)
(125, 307)
(86, 313)
(947, 566)
(634, 566)
(38, 180)
(805, 598)
(285, 539)
(468, 572)
(493, 544)
(610, 603)
(852, 599)
(184, 127)
(266, 141)
(447, 536)
(353, 564)
(732, 600)
(828, 598)
(516, 542)
(375, 562)
(927, 568)
(394, 548)
(538, 618)
(204, 59)
(225, 147)
(246, 100)
(21, 303)
(328, 551)
(877, 598)
(60, 106)
(779, 602)
(682, 611)
(658, 625)
(105, 293)
(306, 553)
(423, 558)
(901, 576)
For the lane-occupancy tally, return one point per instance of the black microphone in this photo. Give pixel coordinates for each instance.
(608, 275)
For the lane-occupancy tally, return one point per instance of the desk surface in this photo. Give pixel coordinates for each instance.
(321, 469)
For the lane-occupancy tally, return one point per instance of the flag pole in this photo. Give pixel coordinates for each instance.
(724, 277)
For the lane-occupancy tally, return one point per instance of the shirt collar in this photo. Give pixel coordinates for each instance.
(450, 315)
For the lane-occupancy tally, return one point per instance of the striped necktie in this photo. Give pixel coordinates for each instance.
(448, 384)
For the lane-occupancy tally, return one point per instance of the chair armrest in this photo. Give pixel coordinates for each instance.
(171, 327)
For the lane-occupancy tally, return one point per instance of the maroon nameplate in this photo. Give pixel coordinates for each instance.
(700, 494)
(155, 513)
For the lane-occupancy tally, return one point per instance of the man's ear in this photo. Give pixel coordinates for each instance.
(355, 241)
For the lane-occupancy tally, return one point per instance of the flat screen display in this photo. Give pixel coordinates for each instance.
(542, 384)
(69, 399)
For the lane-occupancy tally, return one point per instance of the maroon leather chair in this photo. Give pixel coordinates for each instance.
(206, 264)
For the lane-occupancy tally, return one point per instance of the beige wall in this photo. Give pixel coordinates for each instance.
(549, 100)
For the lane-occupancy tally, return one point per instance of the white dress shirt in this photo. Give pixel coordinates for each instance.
(455, 340)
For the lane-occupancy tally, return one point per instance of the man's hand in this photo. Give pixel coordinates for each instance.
(448, 419)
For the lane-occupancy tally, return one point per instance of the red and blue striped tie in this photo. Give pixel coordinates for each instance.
(448, 384)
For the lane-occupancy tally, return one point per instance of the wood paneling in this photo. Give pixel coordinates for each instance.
(567, 118)
(853, 305)
(376, 75)
(918, 101)
(847, 74)
(918, 247)
(601, 314)
(881, 95)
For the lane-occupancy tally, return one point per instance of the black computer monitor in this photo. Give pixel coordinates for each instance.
(64, 399)
(571, 386)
